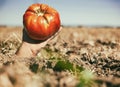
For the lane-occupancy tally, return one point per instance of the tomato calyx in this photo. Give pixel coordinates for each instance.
(39, 12)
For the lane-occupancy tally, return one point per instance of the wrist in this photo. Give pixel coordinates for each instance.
(27, 50)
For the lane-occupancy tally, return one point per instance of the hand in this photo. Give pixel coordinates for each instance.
(30, 47)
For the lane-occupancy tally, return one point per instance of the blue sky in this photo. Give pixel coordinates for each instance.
(72, 12)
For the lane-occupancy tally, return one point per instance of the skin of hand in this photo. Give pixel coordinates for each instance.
(29, 47)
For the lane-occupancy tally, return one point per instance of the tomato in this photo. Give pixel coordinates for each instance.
(41, 21)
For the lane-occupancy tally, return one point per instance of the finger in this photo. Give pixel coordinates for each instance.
(52, 37)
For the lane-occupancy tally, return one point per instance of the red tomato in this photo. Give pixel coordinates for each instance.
(41, 21)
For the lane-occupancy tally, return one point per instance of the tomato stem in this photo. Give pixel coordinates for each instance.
(39, 12)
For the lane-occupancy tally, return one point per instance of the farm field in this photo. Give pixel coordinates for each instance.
(76, 57)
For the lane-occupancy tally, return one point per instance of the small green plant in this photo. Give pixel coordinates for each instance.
(86, 79)
(59, 62)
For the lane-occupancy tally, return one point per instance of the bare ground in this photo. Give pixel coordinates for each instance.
(93, 49)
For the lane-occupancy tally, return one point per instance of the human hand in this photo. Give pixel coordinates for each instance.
(30, 47)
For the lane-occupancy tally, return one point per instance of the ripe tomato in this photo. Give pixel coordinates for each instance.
(41, 21)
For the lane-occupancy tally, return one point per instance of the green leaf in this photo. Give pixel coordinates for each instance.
(63, 65)
(66, 65)
(86, 79)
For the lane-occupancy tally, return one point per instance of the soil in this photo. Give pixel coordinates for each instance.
(96, 49)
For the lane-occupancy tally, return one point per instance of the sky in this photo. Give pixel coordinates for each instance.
(72, 12)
